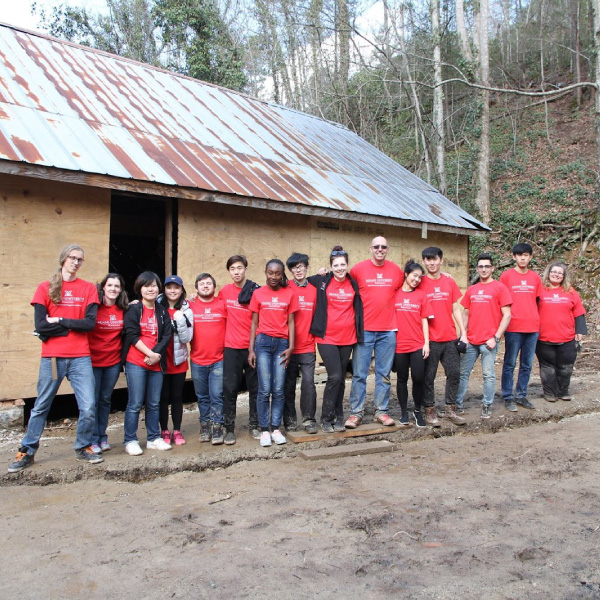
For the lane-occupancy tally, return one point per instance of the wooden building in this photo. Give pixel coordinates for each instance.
(147, 169)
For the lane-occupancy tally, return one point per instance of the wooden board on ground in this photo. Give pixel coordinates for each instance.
(353, 450)
(370, 429)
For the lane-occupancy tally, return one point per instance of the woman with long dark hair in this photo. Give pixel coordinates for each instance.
(182, 320)
(562, 326)
(106, 345)
(147, 334)
(337, 325)
(271, 343)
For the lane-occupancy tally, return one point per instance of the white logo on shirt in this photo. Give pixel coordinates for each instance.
(437, 290)
(301, 298)
(112, 317)
(68, 292)
(406, 301)
(379, 275)
(207, 311)
(274, 299)
(523, 282)
(480, 292)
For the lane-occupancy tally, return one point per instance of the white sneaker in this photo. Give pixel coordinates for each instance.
(158, 444)
(265, 438)
(278, 437)
(133, 448)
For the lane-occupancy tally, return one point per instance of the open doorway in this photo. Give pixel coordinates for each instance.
(142, 237)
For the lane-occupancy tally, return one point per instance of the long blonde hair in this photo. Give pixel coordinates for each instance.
(567, 285)
(56, 281)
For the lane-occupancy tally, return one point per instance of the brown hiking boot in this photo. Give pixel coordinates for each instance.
(453, 416)
(431, 417)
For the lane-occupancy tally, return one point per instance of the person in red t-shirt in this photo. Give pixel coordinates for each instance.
(487, 315)
(443, 294)
(378, 280)
(303, 358)
(182, 321)
(106, 343)
(562, 327)
(272, 339)
(337, 325)
(412, 346)
(148, 332)
(65, 310)
(525, 287)
(210, 321)
(237, 296)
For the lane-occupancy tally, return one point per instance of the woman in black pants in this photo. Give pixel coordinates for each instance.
(562, 326)
(412, 342)
(337, 325)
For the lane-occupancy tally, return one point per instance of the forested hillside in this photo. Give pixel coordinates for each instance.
(494, 102)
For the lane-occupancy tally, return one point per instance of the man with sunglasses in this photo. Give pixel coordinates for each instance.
(378, 279)
(486, 316)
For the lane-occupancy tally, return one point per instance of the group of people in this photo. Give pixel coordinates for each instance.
(409, 320)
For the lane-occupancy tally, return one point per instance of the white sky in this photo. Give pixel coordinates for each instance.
(18, 12)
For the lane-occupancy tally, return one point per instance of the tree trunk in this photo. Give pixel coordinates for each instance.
(465, 47)
(438, 100)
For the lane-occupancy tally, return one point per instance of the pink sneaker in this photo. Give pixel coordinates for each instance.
(166, 436)
(178, 439)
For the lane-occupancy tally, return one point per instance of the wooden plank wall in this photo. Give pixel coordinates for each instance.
(38, 218)
(210, 233)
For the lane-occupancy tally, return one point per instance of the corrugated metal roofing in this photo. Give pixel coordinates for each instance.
(71, 107)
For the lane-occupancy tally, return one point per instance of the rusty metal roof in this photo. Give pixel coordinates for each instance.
(71, 107)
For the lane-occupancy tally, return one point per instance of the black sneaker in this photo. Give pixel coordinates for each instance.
(339, 427)
(291, 426)
(88, 455)
(22, 461)
(217, 434)
(524, 403)
(229, 438)
(327, 427)
(404, 420)
(205, 432)
(310, 427)
(511, 406)
(419, 419)
(486, 411)
(255, 432)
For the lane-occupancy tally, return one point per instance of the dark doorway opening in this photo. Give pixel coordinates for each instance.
(141, 237)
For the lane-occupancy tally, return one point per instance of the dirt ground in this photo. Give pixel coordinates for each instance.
(508, 508)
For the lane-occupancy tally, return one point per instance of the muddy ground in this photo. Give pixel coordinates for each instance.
(508, 508)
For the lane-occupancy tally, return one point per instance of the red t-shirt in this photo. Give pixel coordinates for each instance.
(306, 298)
(377, 286)
(273, 308)
(558, 310)
(76, 297)
(484, 302)
(239, 318)
(411, 308)
(148, 335)
(442, 293)
(524, 289)
(210, 321)
(106, 339)
(341, 325)
(172, 368)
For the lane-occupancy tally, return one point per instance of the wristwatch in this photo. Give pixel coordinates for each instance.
(496, 339)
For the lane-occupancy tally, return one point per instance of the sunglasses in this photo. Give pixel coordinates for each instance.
(338, 253)
(380, 247)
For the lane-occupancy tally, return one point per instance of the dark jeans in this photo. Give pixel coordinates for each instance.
(303, 364)
(556, 367)
(172, 393)
(235, 365)
(447, 354)
(416, 363)
(514, 344)
(336, 359)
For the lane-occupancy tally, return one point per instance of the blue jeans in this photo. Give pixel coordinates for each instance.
(467, 362)
(105, 380)
(514, 343)
(383, 343)
(208, 385)
(79, 373)
(143, 386)
(271, 379)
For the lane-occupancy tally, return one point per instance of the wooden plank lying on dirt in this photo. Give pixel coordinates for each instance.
(353, 450)
(369, 429)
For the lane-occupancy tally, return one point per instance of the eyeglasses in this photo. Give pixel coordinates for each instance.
(75, 259)
(338, 253)
(380, 247)
(557, 273)
(481, 267)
